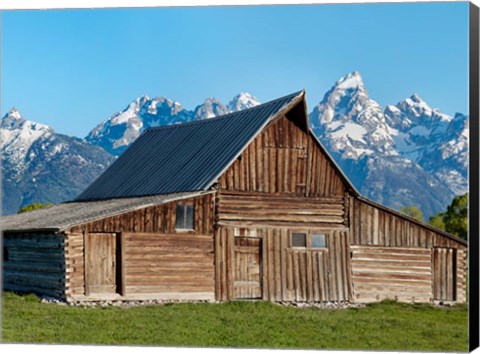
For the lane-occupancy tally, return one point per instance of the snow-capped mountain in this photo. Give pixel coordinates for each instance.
(243, 100)
(212, 107)
(39, 165)
(117, 132)
(122, 128)
(436, 141)
(407, 154)
(353, 124)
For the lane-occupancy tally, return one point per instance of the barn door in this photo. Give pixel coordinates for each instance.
(100, 259)
(444, 274)
(247, 280)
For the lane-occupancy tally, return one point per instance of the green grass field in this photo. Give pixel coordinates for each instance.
(386, 326)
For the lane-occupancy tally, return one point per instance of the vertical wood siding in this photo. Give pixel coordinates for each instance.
(288, 274)
(445, 274)
(35, 263)
(159, 218)
(371, 225)
(283, 159)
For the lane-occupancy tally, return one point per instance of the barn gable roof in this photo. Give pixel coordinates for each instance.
(63, 216)
(184, 157)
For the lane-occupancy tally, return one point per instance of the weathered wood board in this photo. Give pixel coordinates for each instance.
(287, 273)
(247, 281)
(100, 263)
(398, 273)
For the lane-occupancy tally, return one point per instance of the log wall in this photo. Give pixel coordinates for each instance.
(288, 273)
(169, 266)
(462, 264)
(279, 210)
(143, 234)
(34, 263)
(397, 273)
(75, 264)
(283, 159)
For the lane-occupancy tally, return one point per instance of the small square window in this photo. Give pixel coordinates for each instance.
(184, 216)
(299, 240)
(318, 241)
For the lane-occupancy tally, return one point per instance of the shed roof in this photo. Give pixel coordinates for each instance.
(184, 157)
(63, 216)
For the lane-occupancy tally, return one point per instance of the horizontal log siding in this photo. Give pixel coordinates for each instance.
(156, 220)
(75, 265)
(165, 265)
(277, 210)
(403, 274)
(461, 275)
(159, 218)
(375, 226)
(283, 159)
(35, 263)
(288, 274)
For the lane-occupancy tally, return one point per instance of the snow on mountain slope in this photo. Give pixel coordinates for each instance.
(16, 136)
(397, 156)
(351, 122)
(436, 141)
(243, 100)
(39, 165)
(121, 129)
(212, 107)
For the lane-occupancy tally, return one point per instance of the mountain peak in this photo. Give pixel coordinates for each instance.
(13, 113)
(243, 100)
(352, 80)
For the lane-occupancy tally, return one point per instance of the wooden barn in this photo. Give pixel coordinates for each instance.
(244, 206)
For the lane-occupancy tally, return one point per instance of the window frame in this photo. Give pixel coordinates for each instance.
(298, 232)
(308, 239)
(316, 233)
(184, 227)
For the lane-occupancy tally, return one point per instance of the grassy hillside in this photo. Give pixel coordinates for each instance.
(386, 326)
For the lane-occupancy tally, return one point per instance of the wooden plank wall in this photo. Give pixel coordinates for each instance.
(323, 178)
(277, 210)
(35, 263)
(400, 273)
(159, 218)
(462, 275)
(288, 274)
(169, 266)
(75, 266)
(375, 226)
(280, 160)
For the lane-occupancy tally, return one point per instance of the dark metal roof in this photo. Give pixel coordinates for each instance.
(63, 216)
(184, 157)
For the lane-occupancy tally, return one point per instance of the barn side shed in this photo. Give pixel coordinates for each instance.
(248, 205)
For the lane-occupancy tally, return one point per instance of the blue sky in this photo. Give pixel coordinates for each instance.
(73, 68)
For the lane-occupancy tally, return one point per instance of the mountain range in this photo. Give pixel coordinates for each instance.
(403, 154)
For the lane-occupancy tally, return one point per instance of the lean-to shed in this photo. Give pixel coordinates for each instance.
(244, 206)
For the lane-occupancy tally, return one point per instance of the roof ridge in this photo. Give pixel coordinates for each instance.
(223, 116)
